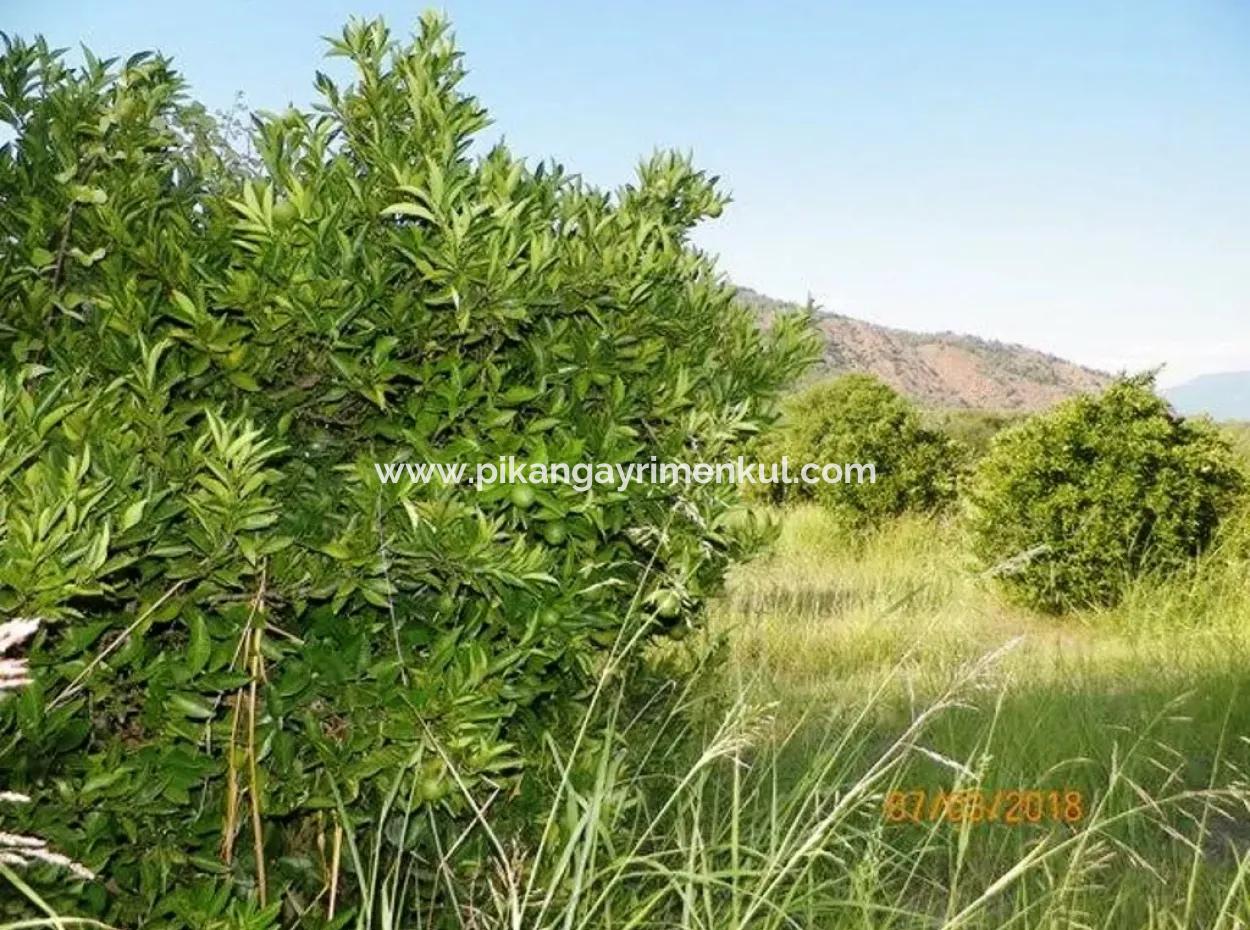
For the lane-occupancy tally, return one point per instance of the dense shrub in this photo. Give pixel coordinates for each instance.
(1238, 433)
(200, 360)
(857, 418)
(972, 430)
(1071, 505)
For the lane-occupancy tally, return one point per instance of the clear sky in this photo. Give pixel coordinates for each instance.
(1070, 175)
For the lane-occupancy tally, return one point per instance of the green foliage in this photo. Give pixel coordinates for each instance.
(1073, 504)
(201, 359)
(972, 430)
(857, 418)
(1238, 434)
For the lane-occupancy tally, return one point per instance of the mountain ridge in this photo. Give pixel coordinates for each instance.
(1224, 395)
(942, 369)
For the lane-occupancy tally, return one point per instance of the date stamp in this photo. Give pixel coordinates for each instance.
(1010, 806)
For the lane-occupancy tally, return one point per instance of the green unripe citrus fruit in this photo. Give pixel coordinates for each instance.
(283, 212)
(522, 496)
(432, 789)
(667, 604)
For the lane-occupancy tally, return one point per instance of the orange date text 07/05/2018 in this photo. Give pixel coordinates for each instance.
(977, 805)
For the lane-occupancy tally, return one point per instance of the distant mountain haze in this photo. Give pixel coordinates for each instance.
(945, 370)
(1224, 395)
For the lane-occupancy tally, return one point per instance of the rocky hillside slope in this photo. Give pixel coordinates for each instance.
(944, 369)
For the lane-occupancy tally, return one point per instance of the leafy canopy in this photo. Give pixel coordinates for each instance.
(1071, 505)
(857, 418)
(200, 359)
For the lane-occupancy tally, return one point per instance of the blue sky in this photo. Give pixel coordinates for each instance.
(1074, 176)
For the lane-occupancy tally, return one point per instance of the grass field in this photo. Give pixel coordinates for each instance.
(1144, 710)
(851, 675)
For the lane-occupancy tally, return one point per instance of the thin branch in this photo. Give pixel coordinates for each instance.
(76, 685)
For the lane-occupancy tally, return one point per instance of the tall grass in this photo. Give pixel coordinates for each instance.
(752, 797)
(737, 836)
(750, 792)
(19, 851)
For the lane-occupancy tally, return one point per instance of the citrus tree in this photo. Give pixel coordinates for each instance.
(857, 418)
(1070, 506)
(202, 356)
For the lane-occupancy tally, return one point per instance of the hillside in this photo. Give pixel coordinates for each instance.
(1224, 395)
(944, 369)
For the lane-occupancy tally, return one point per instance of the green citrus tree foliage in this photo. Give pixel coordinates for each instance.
(972, 430)
(857, 418)
(1071, 505)
(202, 356)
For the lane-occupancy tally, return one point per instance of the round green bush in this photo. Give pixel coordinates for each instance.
(857, 418)
(1071, 505)
(203, 356)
